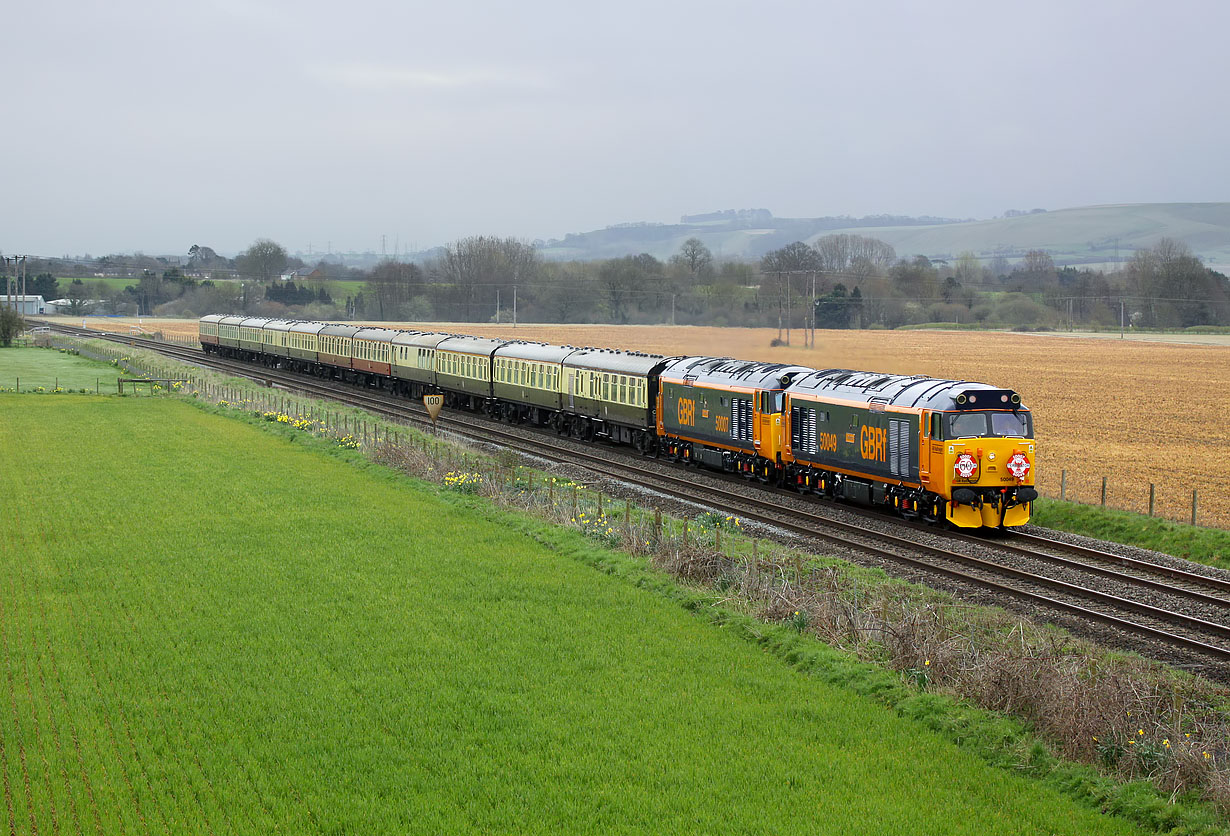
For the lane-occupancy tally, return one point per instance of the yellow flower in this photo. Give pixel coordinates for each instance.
(1189, 735)
(1140, 731)
(927, 663)
(1206, 755)
(1095, 740)
(1166, 743)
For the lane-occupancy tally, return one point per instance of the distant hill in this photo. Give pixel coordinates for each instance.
(1085, 235)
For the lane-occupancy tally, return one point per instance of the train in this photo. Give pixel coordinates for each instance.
(950, 452)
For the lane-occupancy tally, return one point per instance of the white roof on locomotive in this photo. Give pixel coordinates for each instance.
(913, 391)
(726, 371)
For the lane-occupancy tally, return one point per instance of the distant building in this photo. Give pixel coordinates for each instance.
(24, 305)
(302, 273)
(65, 306)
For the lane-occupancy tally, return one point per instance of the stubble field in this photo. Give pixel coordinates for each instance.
(1136, 412)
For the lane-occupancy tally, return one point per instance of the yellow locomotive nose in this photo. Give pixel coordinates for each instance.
(990, 481)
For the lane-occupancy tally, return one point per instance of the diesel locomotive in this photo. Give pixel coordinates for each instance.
(940, 450)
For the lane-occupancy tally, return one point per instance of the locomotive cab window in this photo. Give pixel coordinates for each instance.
(993, 424)
(1011, 425)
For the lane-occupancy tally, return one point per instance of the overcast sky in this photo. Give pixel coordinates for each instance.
(152, 125)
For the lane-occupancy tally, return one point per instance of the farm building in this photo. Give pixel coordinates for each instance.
(24, 305)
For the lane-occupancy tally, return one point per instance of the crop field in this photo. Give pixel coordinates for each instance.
(1135, 412)
(206, 642)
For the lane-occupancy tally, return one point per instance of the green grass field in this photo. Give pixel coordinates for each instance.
(1205, 545)
(207, 628)
(45, 367)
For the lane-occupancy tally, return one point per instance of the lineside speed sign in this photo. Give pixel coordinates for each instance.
(433, 404)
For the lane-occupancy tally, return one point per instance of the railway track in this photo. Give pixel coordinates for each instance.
(1195, 617)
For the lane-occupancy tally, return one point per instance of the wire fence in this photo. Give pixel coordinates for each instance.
(1175, 500)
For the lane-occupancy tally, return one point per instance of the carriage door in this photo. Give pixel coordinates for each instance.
(571, 389)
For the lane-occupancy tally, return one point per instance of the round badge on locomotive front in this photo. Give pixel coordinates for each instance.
(966, 466)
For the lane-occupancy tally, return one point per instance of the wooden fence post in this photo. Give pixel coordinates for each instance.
(657, 525)
(1193, 506)
(1152, 497)
(1063, 485)
(754, 575)
(1103, 491)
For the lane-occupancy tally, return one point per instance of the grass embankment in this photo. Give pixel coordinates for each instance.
(239, 643)
(41, 368)
(1206, 545)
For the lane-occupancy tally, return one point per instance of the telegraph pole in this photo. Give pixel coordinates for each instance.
(813, 309)
(514, 306)
(787, 309)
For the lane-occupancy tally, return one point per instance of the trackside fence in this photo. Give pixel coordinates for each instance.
(1175, 499)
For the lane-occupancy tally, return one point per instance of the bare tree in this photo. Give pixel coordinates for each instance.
(695, 255)
(487, 263)
(391, 287)
(790, 258)
(264, 260)
(969, 270)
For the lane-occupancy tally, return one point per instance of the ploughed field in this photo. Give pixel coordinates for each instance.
(1135, 412)
(205, 642)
